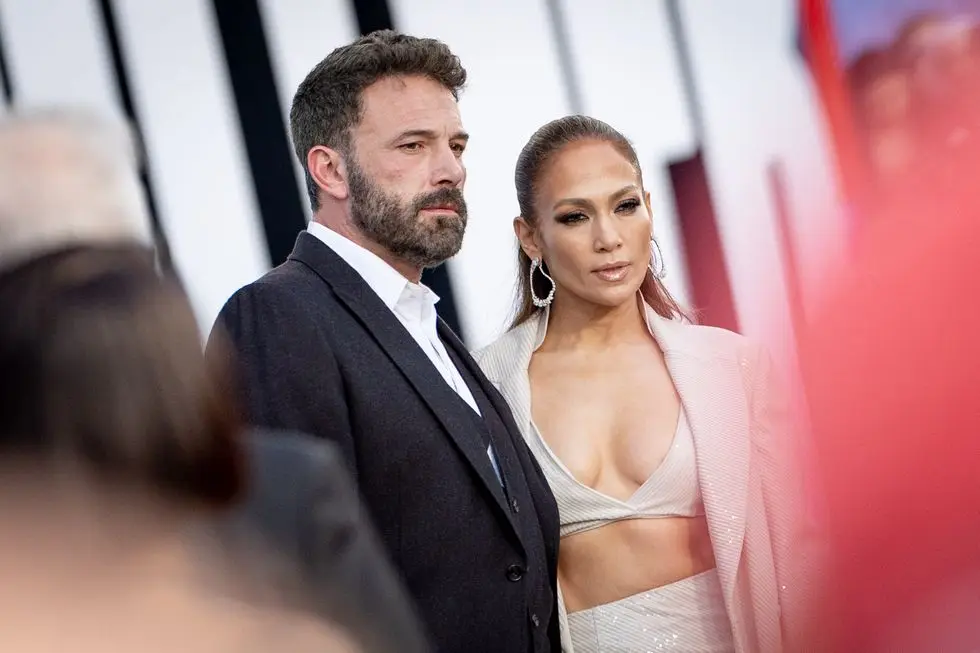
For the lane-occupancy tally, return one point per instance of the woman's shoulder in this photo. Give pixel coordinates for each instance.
(506, 351)
(708, 341)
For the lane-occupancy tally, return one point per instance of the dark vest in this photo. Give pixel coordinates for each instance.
(491, 429)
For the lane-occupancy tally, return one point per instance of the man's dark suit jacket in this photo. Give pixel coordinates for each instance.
(319, 352)
(302, 504)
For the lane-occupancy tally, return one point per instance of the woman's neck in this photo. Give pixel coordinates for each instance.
(582, 326)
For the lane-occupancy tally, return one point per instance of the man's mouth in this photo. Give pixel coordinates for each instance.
(444, 208)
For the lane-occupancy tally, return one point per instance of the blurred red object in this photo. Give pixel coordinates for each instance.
(893, 372)
(820, 47)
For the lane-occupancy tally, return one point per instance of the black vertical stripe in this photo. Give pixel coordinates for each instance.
(711, 287)
(566, 65)
(373, 15)
(6, 84)
(675, 24)
(125, 97)
(266, 140)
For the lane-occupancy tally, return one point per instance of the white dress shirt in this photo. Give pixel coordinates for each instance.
(413, 304)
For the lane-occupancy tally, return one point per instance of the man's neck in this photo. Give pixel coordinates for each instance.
(348, 230)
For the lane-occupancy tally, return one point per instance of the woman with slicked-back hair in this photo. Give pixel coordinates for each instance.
(664, 442)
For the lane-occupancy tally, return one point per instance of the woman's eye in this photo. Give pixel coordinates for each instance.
(570, 218)
(628, 206)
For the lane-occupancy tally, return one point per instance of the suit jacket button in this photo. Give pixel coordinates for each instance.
(515, 573)
(515, 506)
(535, 620)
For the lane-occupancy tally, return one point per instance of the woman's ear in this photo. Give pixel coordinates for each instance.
(527, 238)
(327, 169)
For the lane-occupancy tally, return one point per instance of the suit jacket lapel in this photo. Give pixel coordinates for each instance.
(504, 410)
(711, 390)
(392, 337)
(452, 341)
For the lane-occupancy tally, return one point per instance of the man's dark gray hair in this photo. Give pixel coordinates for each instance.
(327, 104)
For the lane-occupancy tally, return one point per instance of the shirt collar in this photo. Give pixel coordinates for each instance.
(383, 279)
(417, 302)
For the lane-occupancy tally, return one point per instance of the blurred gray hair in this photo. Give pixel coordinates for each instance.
(68, 177)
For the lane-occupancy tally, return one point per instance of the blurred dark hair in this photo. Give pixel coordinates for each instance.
(101, 367)
(327, 104)
(540, 150)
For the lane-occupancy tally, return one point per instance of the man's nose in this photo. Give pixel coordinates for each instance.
(448, 169)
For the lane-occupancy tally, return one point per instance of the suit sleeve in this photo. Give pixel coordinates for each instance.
(792, 502)
(348, 563)
(286, 372)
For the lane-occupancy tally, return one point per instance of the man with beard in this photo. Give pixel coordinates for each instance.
(342, 341)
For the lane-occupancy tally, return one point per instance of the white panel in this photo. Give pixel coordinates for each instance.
(300, 34)
(197, 158)
(514, 87)
(758, 106)
(634, 84)
(57, 54)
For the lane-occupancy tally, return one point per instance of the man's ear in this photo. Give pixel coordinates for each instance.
(527, 237)
(326, 167)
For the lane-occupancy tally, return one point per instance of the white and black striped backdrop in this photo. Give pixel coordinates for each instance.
(715, 95)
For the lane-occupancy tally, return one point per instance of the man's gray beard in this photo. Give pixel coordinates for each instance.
(398, 227)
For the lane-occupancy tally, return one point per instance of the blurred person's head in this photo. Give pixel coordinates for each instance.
(117, 436)
(100, 361)
(101, 374)
(115, 433)
(881, 89)
(377, 129)
(586, 219)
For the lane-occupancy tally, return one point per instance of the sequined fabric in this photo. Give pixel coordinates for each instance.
(684, 617)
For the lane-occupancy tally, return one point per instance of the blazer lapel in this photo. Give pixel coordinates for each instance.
(392, 337)
(499, 405)
(509, 370)
(710, 387)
